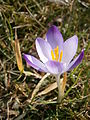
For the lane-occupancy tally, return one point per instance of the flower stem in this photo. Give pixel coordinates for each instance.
(61, 86)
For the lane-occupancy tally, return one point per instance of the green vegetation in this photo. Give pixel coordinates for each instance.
(31, 19)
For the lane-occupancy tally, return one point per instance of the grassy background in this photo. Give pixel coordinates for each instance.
(32, 18)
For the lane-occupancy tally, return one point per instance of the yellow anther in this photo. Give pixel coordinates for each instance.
(61, 54)
(55, 54)
(56, 50)
(52, 54)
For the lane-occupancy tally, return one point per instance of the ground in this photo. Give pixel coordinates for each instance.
(25, 20)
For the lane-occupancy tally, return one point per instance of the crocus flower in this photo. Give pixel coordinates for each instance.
(56, 56)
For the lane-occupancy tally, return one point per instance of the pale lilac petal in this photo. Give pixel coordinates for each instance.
(35, 63)
(43, 49)
(69, 49)
(54, 37)
(76, 61)
(54, 67)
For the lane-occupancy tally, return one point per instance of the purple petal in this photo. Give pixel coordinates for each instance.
(54, 67)
(35, 63)
(76, 61)
(70, 48)
(54, 37)
(43, 49)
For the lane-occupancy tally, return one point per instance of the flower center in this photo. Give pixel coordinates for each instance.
(55, 54)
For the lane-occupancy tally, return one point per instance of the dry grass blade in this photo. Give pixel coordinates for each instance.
(28, 73)
(48, 89)
(18, 54)
(38, 86)
(21, 89)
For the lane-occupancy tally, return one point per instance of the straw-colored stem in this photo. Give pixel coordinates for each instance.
(61, 86)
